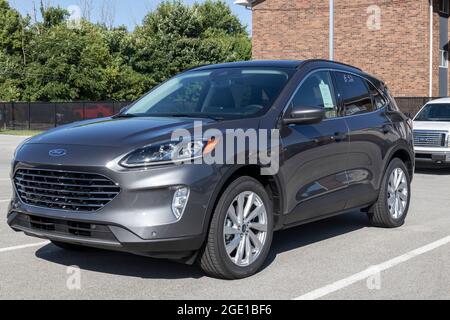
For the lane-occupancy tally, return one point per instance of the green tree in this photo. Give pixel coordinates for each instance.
(49, 60)
(217, 15)
(53, 16)
(10, 29)
(14, 37)
(125, 83)
(176, 36)
(67, 64)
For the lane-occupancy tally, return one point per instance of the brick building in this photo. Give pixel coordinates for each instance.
(403, 42)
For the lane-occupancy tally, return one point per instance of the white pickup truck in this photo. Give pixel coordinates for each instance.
(432, 133)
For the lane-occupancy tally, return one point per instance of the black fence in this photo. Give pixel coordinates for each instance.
(46, 115)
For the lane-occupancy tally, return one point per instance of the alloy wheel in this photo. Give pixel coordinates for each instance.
(245, 229)
(397, 193)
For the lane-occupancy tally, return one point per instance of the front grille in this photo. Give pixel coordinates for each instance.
(59, 227)
(85, 192)
(430, 139)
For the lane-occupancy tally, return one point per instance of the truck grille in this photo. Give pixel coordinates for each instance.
(430, 138)
(64, 190)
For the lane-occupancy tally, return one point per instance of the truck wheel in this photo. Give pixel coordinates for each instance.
(241, 231)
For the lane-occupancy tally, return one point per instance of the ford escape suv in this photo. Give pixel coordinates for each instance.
(125, 183)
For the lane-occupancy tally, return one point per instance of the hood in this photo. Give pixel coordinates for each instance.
(432, 125)
(96, 142)
(117, 132)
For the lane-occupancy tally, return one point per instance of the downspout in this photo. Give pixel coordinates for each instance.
(331, 29)
(430, 89)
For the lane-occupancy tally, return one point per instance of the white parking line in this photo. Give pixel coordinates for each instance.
(341, 284)
(4, 201)
(24, 246)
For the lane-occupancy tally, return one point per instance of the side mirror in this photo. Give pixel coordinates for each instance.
(305, 115)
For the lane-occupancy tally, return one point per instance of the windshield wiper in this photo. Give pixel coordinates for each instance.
(176, 115)
(193, 115)
(125, 115)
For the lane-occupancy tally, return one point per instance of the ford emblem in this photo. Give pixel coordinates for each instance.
(57, 152)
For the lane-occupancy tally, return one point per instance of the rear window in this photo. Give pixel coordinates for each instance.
(392, 105)
(379, 100)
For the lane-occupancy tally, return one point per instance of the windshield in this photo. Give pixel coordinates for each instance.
(218, 93)
(434, 112)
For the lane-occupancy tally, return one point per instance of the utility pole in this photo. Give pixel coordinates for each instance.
(430, 86)
(331, 29)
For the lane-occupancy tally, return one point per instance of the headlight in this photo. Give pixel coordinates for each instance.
(167, 153)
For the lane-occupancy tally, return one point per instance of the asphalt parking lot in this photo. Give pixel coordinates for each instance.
(339, 258)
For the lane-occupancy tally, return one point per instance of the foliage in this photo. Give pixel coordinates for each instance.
(49, 60)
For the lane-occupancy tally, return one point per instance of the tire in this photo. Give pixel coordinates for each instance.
(214, 258)
(69, 246)
(381, 215)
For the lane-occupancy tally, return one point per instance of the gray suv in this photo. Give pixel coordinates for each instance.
(123, 182)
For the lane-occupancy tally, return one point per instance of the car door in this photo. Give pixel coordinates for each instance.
(369, 126)
(314, 157)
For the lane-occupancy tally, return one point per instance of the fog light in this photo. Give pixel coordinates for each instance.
(180, 199)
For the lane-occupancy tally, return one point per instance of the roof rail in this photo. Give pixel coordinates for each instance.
(331, 61)
(195, 67)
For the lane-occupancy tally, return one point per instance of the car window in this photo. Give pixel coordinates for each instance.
(317, 91)
(379, 101)
(392, 104)
(354, 93)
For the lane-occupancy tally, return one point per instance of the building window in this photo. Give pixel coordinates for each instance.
(443, 58)
(444, 6)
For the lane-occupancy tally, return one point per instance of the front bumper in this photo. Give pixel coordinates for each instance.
(432, 156)
(105, 237)
(139, 220)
